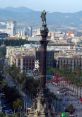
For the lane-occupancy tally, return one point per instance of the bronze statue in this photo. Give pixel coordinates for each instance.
(43, 17)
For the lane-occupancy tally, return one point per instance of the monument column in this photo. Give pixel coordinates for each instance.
(42, 106)
(43, 49)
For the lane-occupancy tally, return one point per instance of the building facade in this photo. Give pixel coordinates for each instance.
(69, 63)
(11, 28)
(22, 57)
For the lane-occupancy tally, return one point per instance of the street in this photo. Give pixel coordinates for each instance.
(68, 96)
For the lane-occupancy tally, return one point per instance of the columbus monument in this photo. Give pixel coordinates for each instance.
(42, 105)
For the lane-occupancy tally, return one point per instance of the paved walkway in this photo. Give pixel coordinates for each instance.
(70, 98)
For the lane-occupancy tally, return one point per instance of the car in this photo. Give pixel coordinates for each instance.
(8, 111)
(71, 115)
(2, 95)
(4, 102)
(6, 108)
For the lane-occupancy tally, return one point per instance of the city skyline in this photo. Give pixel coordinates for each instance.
(52, 6)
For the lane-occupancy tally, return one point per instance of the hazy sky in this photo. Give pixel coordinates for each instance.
(49, 5)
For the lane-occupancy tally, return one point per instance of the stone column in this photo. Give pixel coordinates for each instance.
(43, 54)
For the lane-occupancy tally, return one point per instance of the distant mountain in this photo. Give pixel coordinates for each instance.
(31, 17)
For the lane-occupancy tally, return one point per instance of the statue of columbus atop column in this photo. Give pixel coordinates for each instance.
(43, 17)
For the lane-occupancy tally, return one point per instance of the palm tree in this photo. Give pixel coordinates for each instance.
(21, 79)
(2, 114)
(3, 83)
(15, 115)
(13, 71)
(18, 105)
(70, 109)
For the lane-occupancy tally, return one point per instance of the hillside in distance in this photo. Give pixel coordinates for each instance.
(31, 17)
